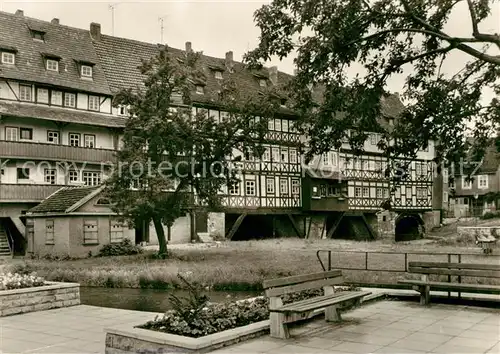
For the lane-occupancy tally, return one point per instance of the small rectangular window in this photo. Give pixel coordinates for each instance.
(295, 187)
(69, 100)
(326, 159)
(234, 189)
(11, 133)
(250, 188)
(284, 155)
(91, 178)
(115, 231)
(56, 98)
(366, 192)
(283, 186)
(49, 232)
(332, 191)
(466, 183)
(89, 140)
(482, 181)
(380, 192)
(421, 193)
(94, 104)
(52, 65)
(90, 232)
(74, 139)
(200, 90)
(277, 125)
(262, 82)
(49, 176)
(26, 133)
(218, 75)
(23, 173)
(323, 190)
(8, 58)
(267, 155)
(38, 35)
(285, 125)
(270, 185)
(73, 176)
(293, 156)
(25, 93)
(86, 71)
(42, 95)
(357, 191)
(270, 124)
(53, 137)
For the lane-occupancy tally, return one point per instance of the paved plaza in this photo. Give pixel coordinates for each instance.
(379, 327)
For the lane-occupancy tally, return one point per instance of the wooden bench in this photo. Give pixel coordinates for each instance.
(452, 269)
(281, 315)
(486, 242)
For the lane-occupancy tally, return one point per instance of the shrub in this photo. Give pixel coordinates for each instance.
(123, 248)
(490, 215)
(18, 281)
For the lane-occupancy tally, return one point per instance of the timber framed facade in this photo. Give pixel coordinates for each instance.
(64, 122)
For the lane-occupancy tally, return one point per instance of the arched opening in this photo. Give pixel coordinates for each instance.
(409, 227)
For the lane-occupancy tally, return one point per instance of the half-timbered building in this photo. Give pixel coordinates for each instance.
(56, 89)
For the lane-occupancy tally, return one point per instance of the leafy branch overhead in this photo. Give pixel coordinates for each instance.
(351, 50)
(173, 157)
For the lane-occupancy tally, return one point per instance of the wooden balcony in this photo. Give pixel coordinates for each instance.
(27, 193)
(53, 152)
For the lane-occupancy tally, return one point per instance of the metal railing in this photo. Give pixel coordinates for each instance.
(11, 243)
(398, 262)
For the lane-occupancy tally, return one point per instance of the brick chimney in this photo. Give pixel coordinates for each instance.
(273, 75)
(19, 13)
(229, 60)
(189, 47)
(55, 21)
(95, 31)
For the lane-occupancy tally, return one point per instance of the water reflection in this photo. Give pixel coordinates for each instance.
(150, 300)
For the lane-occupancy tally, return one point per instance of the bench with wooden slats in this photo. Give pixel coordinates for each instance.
(452, 269)
(281, 315)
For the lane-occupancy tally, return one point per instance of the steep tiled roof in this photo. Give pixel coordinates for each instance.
(491, 159)
(68, 43)
(121, 57)
(30, 110)
(64, 198)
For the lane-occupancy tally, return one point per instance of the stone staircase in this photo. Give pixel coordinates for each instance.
(4, 243)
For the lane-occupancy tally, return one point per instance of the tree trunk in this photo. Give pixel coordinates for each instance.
(160, 233)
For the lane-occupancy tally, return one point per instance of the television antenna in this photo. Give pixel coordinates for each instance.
(112, 8)
(161, 19)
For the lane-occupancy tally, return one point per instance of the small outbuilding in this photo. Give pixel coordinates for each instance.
(78, 221)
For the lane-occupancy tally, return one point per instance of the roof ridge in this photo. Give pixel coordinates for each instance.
(44, 21)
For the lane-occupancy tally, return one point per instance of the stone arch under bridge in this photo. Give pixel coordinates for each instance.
(409, 226)
(406, 225)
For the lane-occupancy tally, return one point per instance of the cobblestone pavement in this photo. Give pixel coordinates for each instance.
(380, 327)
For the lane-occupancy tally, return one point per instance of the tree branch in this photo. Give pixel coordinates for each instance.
(493, 38)
(463, 47)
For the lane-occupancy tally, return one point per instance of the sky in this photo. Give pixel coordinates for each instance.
(214, 27)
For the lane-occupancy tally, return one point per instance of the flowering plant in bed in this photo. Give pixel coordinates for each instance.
(194, 316)
(9, 281)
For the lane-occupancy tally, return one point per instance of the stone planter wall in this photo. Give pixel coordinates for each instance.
(39, 298)
(471, 232)
(128, 339)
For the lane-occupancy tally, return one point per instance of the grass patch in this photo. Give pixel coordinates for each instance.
(245, 265)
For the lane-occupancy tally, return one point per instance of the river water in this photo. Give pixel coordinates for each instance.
(150, 300)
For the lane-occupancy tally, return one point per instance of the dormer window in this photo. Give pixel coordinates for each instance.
(200, 90)
(37, 35)
(8, 58)
(122, 110)
(218, 75)
(262, 82)
(52, 65)
(86, 71)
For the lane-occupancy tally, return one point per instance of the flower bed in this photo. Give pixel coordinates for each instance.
(11, 281)
(215, 318)
(192, 329)
(28, 293)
